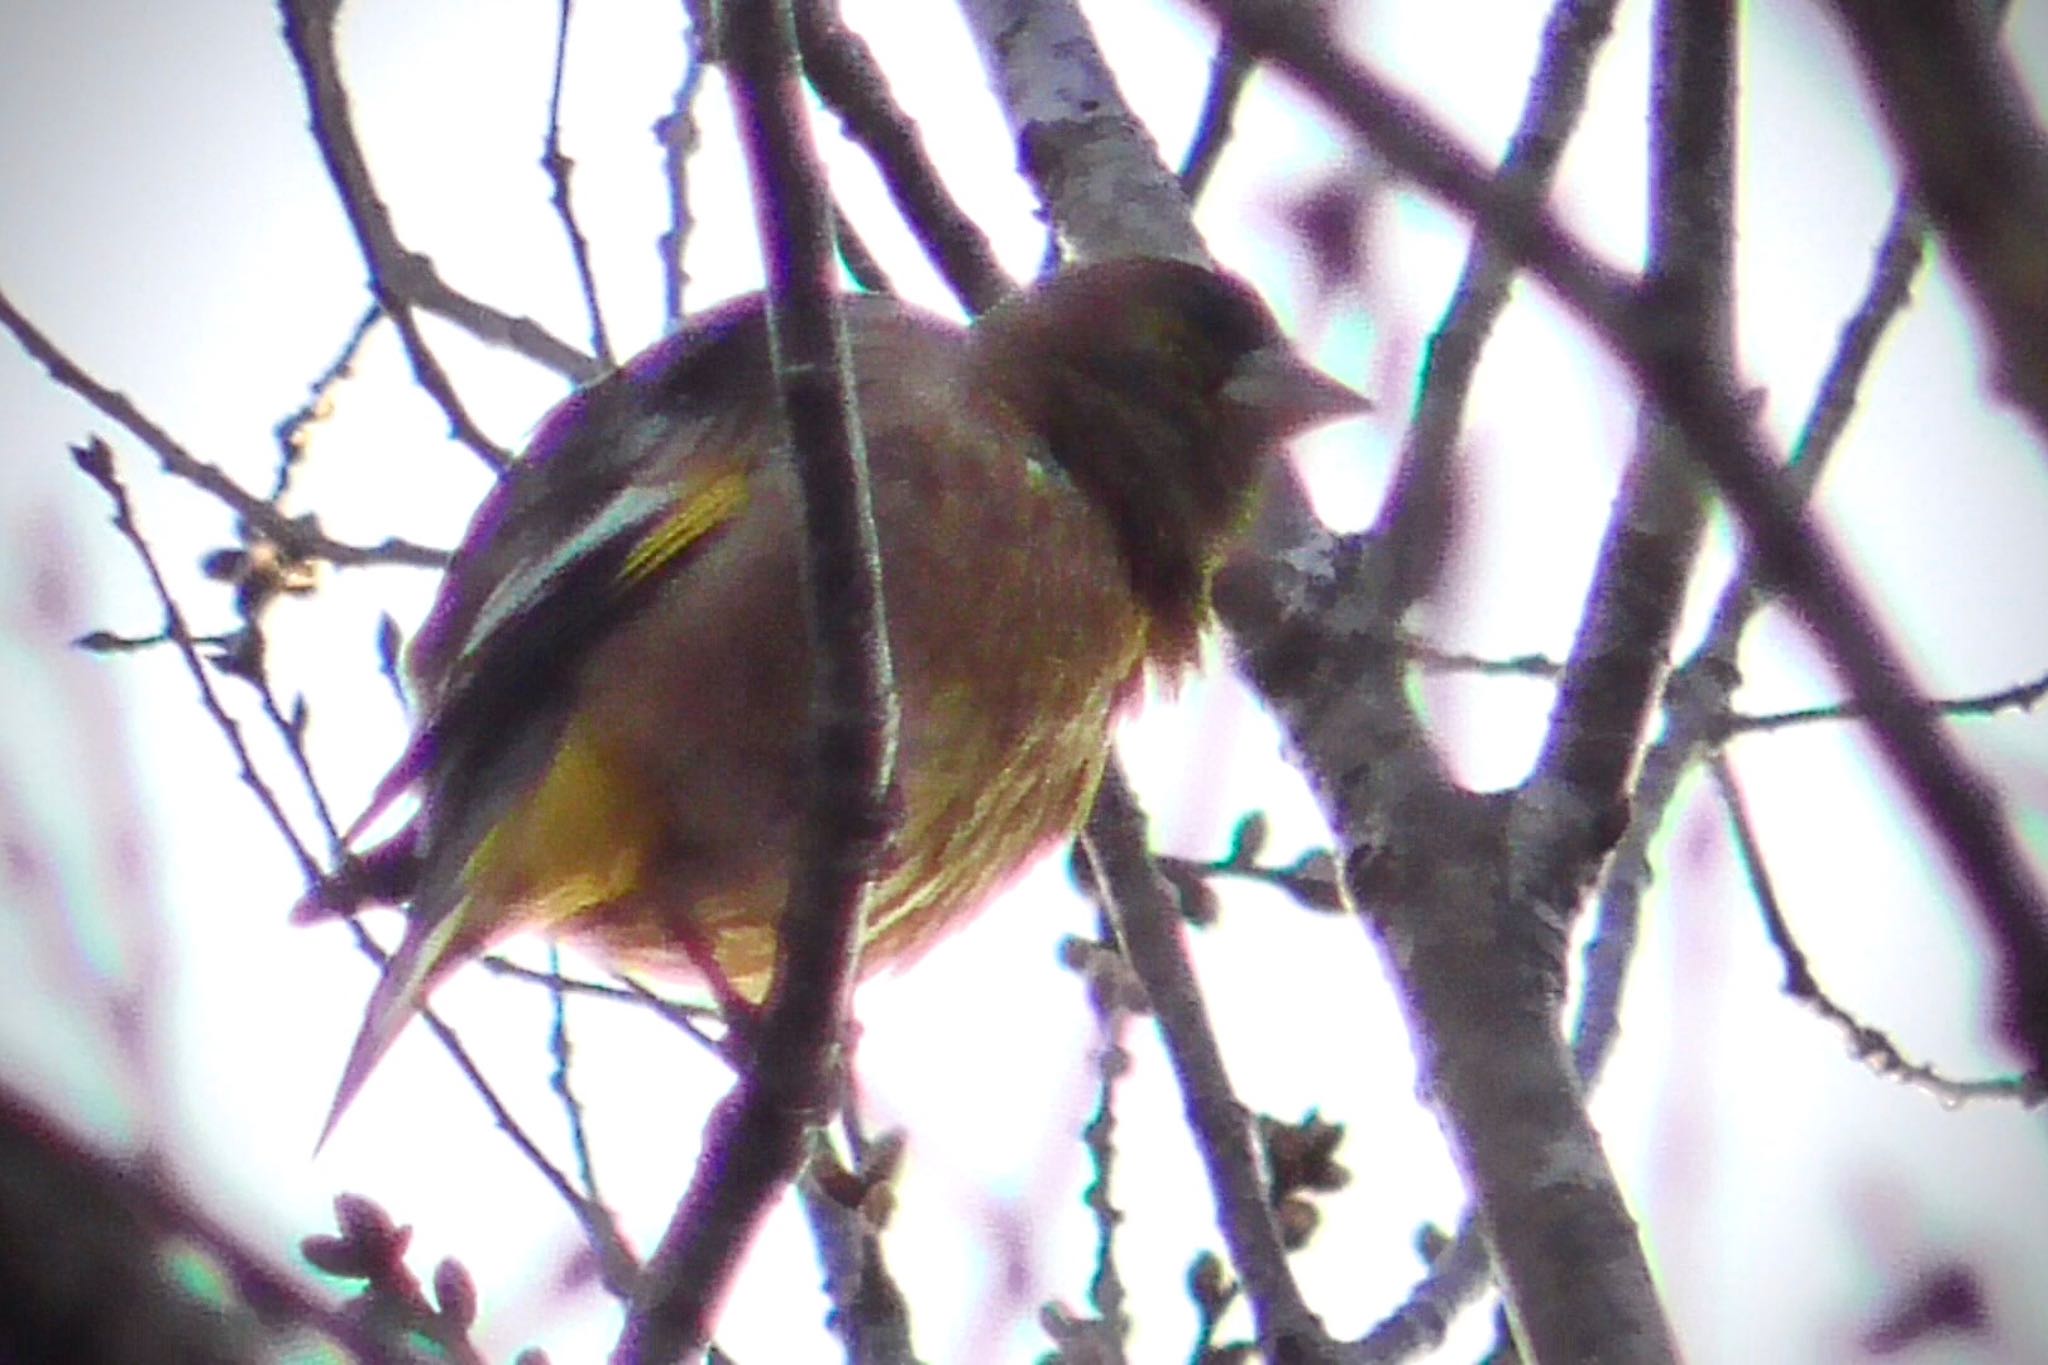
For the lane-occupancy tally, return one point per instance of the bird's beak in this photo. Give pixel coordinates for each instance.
(1287, 393)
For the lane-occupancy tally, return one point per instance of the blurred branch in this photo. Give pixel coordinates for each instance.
(1416, 513)
(1682, 380)
(86, 1241)
(1229, 72)
(852, 84)
(756, 1139)
(1576, 801)
(297, 537)
(558, 166)
(1869, 1045)
(1976, 157)
(370, 1249)
(2019, 697)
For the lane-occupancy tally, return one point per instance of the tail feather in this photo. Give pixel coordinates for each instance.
(403, 776)
(429, 950)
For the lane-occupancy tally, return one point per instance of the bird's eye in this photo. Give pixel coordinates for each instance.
(1225, 318)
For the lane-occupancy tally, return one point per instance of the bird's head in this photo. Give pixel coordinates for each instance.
(1161, 388)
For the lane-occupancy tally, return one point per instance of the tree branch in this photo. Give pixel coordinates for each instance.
(1149, 925)
(1097, 169)
(1977, 158)
(847, 77)
(556, 163)
(297, 538)
(1697, 695)
(1417, 510)
(1718, 425)
(399, 278)
(755, 1142)
(1578, 793)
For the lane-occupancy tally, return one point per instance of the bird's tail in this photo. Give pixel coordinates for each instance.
(433, 944)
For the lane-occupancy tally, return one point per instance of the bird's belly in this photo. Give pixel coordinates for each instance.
(1006, 695)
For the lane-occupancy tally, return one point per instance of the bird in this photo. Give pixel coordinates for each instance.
(611, 687)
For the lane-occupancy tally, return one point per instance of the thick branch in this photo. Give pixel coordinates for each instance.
(1978, 161)
(755, 1141)
(1097, 170)
(1611, 679)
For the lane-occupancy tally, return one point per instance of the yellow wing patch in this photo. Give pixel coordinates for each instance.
(698, 511)
(581, 840)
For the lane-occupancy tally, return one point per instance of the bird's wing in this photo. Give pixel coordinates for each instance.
(619, 481)
(496, 739)
(615, 498)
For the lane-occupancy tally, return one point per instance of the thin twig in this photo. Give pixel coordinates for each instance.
(298, 537)
(559, 1079)
(617, 1269)
(1105, 1286)
(854, 254)
(630, 992)
(1696, 697)
(2020, 697)
(97, 460)
(291, 730)
(292, 430)
(309, 33)
(1870, 1045)
(1148, 924)
(685, 1017)
(676, 131)
(559, 167)
(1540, 666)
